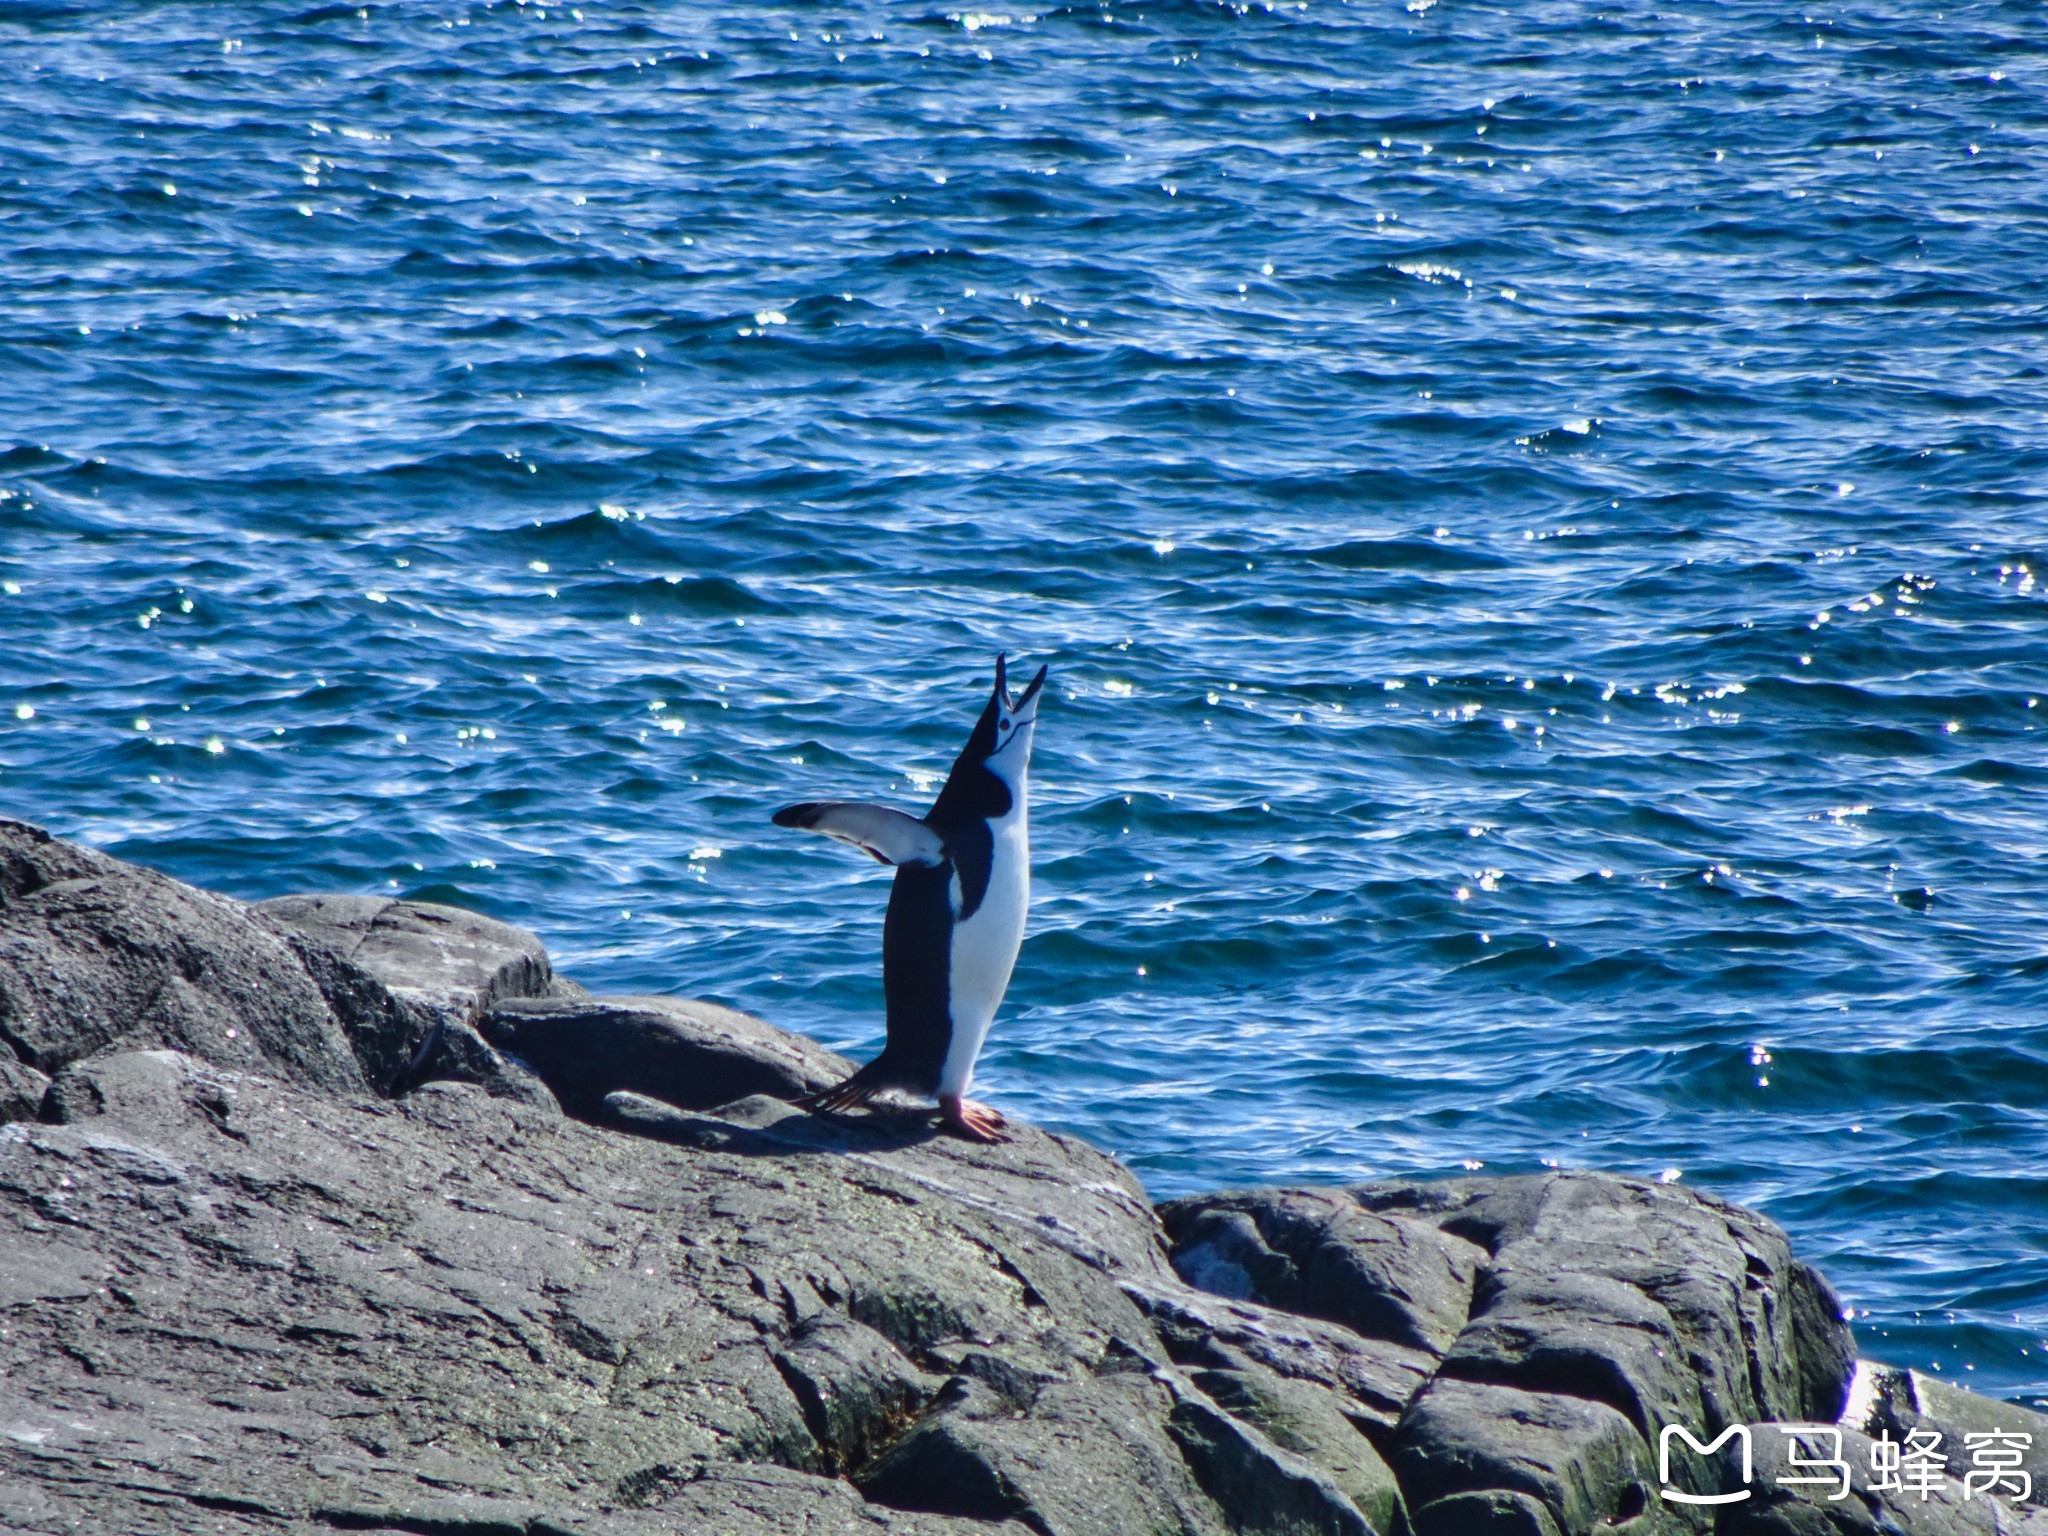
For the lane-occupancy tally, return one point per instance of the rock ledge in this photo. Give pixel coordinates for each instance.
(335, 1213)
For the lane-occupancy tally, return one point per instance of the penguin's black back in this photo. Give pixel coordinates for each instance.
(917, 964)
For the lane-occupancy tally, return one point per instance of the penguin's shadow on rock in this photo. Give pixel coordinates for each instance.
(762, 1126)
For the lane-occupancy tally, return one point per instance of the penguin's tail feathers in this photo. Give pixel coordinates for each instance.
(856, 1091)
(832, 1101)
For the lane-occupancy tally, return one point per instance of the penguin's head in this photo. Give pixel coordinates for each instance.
(1004, 731)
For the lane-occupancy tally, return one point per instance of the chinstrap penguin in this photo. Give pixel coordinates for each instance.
(956, 913)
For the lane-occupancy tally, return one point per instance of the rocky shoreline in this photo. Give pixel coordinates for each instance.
(339, 1213)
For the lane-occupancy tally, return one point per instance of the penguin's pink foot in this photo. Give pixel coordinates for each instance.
(970, 1121)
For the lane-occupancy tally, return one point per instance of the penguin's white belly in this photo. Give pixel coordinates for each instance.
(984, 949)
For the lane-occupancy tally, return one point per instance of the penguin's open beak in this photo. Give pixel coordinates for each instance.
(1026, 707)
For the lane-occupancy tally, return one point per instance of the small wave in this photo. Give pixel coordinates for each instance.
(1404, 555)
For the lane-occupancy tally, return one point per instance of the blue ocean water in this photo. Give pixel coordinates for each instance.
(1537, 514)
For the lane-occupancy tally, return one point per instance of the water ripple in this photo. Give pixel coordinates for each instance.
(1535, 522)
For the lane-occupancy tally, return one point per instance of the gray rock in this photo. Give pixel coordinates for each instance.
(738, 1499)
(1580, 1460)
(1582, 1312)
(21, 1090)
(1092, 1456)
(227, 1296)
(1070, 1199)
(690, 1054)
(239, 1293)
(1590, 1275)
(410, 976)
(383, 1030)
(1490, 1512)
(1888, 1400)
(1371, 1379)
(462, 1312)
(1660, 1304)
(452, 962)
(759, 1500)
(1263, 1485)
(145, 1086)
(859, 1392)
(454, 1052)
(1778, 1508)
(1319, 1252)
(97, 954)
(1311, 1421)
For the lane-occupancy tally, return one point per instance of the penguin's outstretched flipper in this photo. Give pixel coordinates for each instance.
(890, 836)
